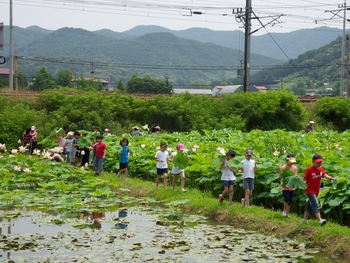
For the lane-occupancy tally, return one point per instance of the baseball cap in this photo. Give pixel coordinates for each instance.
(106, 130)
(249, 152)
(180, 146)
(312, 122)
(317, 158)
(33, 128)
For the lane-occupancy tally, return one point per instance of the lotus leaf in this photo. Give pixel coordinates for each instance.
(296, 182)
(284, 175)
(180, 160)
(84, 142)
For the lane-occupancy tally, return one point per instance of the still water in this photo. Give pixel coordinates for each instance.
(138, 234)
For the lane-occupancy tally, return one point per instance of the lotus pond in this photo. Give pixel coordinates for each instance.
(141, 233)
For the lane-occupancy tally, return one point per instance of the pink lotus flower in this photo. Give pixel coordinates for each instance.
(276, 153)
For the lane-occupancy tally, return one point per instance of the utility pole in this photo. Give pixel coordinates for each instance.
(11, 51)
(342, 88)
(248, 25)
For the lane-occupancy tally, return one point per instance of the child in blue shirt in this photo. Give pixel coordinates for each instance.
(124, 158)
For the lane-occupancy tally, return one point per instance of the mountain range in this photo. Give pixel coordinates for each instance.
(187, 57)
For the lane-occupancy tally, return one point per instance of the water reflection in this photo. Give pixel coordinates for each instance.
(91, 236)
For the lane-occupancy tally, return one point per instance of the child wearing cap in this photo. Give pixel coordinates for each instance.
(228, 178)
(176, 171)
(249, 168)
(312, 177)
(288, 193)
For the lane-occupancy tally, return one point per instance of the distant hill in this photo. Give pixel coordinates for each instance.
(317, 69)
(292, 43)
(187, 57)
(186, 62)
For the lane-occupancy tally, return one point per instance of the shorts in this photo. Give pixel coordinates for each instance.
(77, 153)
(161, 171)
(312, 204)
(248, 183)
(227, 183)
(123, 166)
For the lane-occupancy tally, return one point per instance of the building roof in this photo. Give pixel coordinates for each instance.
(193, 91)
(230, 89)
(261, 87)
(4, 71)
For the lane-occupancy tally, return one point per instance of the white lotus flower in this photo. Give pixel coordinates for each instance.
(86, 164)
(19, 141)
(82, 168)
(143, 145)
(11, 156)
(185, 150)
(17, 168)
(221, 150)
(22, 149)
(194, 149)
(83, 152)
(196, 146)
(26, 170)
(37, 152)
(14, 151)
(1, 157)
(169, 149)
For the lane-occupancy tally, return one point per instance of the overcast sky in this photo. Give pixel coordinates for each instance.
(177, 15)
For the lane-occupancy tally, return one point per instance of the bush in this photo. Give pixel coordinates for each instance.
(82, 111)
(334, 110)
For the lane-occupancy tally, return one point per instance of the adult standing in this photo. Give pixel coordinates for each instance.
(156, 130)
(310, 126)
(34, 134)
(136, 131)
(27, 139)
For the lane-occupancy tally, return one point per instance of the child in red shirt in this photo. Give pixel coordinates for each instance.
(100, 153)
(312, 177)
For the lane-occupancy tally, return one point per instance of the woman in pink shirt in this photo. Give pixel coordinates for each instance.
(34, 134)
(288, 193)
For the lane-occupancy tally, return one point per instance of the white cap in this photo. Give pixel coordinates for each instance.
(312, 122)
(33, 128)
(106, 130)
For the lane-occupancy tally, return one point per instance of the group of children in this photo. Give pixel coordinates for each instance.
(71, 152)
(162, 157)
(312, 177)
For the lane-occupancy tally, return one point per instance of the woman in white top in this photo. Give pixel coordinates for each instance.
(228, 178)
